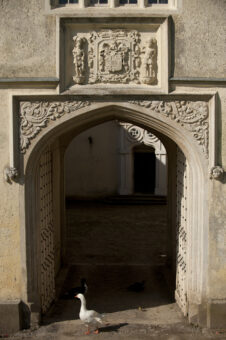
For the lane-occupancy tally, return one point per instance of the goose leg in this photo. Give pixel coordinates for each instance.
(96, 331)
(88, 331)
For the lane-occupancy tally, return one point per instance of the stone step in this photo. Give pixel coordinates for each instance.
(135, 199)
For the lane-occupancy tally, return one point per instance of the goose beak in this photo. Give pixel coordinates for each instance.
(76, 296)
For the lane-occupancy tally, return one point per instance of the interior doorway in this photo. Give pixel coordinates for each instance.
(144, 170)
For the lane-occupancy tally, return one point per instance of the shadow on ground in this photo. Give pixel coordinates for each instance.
(108, 290)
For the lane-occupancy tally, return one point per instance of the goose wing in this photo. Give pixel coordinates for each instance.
(91, 316)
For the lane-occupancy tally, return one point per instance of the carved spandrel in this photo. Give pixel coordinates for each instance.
(34, 116)
(114, 56)
(192, 116)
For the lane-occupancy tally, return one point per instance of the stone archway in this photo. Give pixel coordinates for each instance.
(186, 123)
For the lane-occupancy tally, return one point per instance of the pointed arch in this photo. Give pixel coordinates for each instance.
(69, 124)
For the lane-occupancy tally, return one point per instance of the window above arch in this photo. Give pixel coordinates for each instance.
(155, 6)
(105, 2)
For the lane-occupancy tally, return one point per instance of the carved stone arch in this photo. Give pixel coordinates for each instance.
(191, 121)
(86, 114)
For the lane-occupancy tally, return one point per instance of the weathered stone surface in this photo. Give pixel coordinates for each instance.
(9, 216)
(14, 315)
(217, 315)
(27, 40)
(199, 39)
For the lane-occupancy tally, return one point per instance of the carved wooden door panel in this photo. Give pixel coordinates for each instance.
(47, 282)
(181, 231)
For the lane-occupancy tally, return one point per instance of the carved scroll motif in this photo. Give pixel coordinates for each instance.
(138, 134)
(192, 115)
(34, 116)
(114, 56)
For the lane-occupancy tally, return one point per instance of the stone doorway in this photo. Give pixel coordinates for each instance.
(57, 146)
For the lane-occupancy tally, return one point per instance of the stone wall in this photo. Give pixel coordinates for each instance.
(10, 264)
(199, 39)
(28, 44)
(27, 41)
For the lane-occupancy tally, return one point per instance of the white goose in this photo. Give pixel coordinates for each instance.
(89, 316)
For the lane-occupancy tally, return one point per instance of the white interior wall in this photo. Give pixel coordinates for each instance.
(91, 162)
(99, 161)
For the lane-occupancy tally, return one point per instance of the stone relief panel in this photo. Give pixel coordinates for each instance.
(115, 57)
(193, 116)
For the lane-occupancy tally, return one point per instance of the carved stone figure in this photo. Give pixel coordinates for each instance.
(149, 64)
(79, 60)
(216, 172)
(10, 174)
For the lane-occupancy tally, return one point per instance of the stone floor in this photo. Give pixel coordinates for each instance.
(116, 234)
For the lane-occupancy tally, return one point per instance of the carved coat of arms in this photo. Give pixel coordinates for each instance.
(113, 56)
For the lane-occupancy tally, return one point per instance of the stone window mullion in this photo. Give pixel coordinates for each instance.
(113, 3)
(142, 3)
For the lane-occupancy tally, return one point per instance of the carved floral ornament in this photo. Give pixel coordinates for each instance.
(34, 116)
(114, 56)
(193, 116)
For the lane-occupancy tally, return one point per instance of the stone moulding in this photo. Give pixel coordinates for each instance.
(193, 116)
